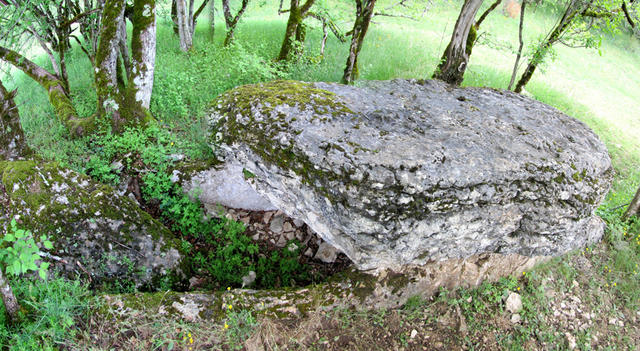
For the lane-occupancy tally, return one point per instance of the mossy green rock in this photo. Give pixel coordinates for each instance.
(397, 173)
(95, 232)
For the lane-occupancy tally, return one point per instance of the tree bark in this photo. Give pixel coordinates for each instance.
(364, 13)
(127, 106)
(515, 65)
(451, 69)
(174, 17)
(54, 86)
(232, 21)
(143, 53)
(109, 94)
(184, 31)
(294, 36)
(634, 207)
(13, 145)
(10, 302)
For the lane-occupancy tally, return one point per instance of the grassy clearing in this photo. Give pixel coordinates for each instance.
(601, 89)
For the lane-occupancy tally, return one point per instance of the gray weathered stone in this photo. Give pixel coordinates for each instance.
(226, 186)
(513, 303)
(94, 231)
(398, 173)
(326, 253)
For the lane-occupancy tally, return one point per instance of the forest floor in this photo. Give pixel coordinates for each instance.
(573, 302)
(587, 300)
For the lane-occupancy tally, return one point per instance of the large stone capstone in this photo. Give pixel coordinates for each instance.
(399, 173)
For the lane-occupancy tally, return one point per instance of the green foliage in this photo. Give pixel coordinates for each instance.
(50, 310)
(215, 247)
(282, 268)
(231, 254)
(20, 253)
(238, 327)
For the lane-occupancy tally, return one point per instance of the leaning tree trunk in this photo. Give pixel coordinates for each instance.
(451, 69)
(295, 32)
(13, 146)
(519, 55)
(364, 13)
(542, 50)
(232, 21)
(634, 207)
(56, 91)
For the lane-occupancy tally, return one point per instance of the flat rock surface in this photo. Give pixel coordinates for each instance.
(397, 173)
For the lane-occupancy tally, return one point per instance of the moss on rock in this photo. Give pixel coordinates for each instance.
(95, 231)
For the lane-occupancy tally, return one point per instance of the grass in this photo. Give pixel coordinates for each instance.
(601, 88)
(50, 311)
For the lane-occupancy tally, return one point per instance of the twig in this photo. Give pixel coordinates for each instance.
(85, 271)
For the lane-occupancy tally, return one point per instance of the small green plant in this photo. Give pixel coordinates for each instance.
(50, 311)
(282, 267)
(21, 254)
(238, 327)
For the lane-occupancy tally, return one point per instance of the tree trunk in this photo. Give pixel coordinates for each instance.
(294, 36)
(174, 17)
(58, 97)
(232, 21)
(184, 31)
(364, 13)
(295, 19)
(109, 94)
(13, 146)
(634, 207)
(451, 69)
(10, 302)
(515, 65)
(127, 106)
(542, 50)
(143, 53)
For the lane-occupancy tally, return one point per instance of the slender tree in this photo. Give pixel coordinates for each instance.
(296, 31)
(634, 207)
(185, 19)
(231, 20)
(53, 84)
(52, 24)
(364, 13)
(456, 57)
(578, 17)
(571, 12)
(520, 46)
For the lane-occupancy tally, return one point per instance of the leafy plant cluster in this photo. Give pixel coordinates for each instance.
(20, 254)
(216, 248)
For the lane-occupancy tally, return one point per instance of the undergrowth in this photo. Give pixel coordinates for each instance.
(216, 248)
(49, 313)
